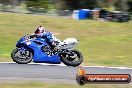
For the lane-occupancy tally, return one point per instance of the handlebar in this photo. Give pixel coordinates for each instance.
(26, 35)
(29, 36)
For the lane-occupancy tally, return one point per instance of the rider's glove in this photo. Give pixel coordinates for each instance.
(32, 36)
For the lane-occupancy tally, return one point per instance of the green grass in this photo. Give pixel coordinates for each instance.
(101, 43)
(52, 85)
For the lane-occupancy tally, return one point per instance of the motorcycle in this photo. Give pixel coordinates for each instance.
(38, 50)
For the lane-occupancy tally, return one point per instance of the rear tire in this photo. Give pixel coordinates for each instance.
(68, 62)
(16, 58)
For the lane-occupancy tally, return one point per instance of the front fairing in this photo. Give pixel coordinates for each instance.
(27, 42)
(20, 42)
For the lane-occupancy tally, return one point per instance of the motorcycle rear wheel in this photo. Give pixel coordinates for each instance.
(27, 58)
(70, 61)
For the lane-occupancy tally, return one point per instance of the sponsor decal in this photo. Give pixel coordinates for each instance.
(27, 42)
(82, 78)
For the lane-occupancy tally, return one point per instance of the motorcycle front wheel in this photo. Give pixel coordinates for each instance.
(75, 58)
(22, 56)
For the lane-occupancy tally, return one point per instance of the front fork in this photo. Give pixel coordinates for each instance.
(22, 50)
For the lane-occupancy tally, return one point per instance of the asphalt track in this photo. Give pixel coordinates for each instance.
(50, 72)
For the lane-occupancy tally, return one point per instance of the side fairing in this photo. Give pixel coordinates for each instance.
(39, 55)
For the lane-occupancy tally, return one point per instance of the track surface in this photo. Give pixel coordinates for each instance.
(49, 73)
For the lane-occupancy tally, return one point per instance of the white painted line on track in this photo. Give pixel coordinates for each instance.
(109, 67)
(47, 64)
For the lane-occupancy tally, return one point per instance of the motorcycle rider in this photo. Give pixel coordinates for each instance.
(48, 36)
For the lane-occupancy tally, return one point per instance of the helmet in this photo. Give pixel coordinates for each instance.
(40, 30)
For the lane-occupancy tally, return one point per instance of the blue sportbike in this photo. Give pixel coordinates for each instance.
(39, 51)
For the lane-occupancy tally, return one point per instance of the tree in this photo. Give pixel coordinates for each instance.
(129, 5)
(61, 5)
(37, 3)
(5, 2)
(76, 4)
(88, 4)
(121, 5)
(10, 2)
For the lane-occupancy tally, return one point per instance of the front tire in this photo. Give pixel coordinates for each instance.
(70, 61)
(18, 58)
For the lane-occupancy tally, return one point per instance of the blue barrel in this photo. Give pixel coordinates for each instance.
(88, 13)
(81, 14)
